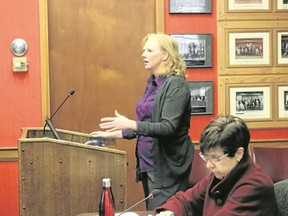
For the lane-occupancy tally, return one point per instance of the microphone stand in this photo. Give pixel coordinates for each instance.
(52, 128)
(48, 120)
(60, 106)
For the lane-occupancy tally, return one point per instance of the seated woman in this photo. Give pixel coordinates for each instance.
(236, 186)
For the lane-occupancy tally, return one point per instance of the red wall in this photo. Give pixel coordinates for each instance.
(197, 24)
(20, 93)
(9, 189)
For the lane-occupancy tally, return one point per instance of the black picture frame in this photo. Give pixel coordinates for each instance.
(190, 6)
(202, 97)
(196, 49)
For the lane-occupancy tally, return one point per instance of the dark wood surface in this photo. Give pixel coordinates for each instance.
(139, 213)
(96, 50)
(62, 177)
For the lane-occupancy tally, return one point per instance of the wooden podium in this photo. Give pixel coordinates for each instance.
(64, 177)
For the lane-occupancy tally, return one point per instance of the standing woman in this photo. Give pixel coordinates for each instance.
(164, 150)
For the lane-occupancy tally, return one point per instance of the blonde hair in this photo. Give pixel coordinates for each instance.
(174, 64)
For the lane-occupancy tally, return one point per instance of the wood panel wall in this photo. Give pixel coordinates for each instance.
(235, 74)
(96, 50)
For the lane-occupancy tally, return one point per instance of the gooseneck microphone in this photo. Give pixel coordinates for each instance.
(48, 120)
(71, 92)
(153, 194)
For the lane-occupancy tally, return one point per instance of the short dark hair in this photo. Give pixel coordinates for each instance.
(225, 132)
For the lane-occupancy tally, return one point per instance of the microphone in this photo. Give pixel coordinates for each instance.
(153, 194)
(71, 92)
(48, 120)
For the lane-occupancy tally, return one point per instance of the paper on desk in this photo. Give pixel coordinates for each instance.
(127, 214)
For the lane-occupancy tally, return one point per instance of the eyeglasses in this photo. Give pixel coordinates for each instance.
(213, 159)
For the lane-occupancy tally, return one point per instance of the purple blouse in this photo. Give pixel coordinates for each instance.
(144, 107)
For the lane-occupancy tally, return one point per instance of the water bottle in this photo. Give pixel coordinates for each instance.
(106, 203)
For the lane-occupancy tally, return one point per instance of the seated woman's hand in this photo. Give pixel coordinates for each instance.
(165, 213)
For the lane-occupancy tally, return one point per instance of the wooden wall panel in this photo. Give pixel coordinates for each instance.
(234, 72)
(96, 50)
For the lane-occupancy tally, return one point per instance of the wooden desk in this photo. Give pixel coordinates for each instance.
(140, 213)
(51, 168)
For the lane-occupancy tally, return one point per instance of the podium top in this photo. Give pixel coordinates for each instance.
(36, 134)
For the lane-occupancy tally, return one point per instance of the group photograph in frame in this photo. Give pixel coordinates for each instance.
(282, 102)
(189, 6)
(248, 5)
(249, 48)
(195, 49)
(250, 102)
(282, 5)
(282, 48)
(202, 97)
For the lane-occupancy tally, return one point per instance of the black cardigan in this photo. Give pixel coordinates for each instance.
(173, 148)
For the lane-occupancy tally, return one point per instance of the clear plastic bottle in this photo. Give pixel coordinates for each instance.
(107, 202)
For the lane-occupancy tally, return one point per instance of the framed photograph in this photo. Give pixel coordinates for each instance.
(283, 101)
(249, 102)
(189, 6)
(196, 49)
(282, 47)
(248, 5)
(201, 97)
(249, 48)
(282, 4)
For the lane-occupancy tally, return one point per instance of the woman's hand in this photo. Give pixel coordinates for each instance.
(119, 122)
(105, 134)
(165, 213)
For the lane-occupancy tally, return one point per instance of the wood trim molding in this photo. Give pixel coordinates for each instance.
(44, 58)
(159, 15)
(11, 153)
(8, 154)
(266, 141)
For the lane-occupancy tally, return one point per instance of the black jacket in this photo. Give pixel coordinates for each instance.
(173, 148)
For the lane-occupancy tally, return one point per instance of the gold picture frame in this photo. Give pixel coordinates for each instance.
(231, 87)
(281, 5)
(249, 48)
(282, 47)
(247, 10)
(248, 6)
(250, 102)
(273, 90)
(282, 101)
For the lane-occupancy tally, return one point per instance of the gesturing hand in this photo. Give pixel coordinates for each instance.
(119, 122)
(104, 134)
